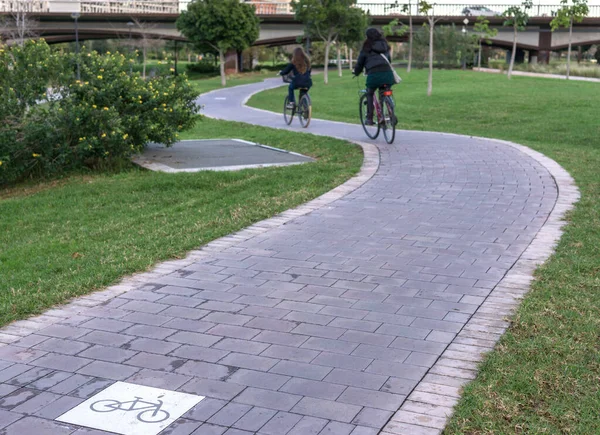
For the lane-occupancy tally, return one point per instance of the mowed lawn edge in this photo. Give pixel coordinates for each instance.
(84, 233)
(543, 376)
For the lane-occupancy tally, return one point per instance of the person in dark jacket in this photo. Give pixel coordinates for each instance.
(300, 66)
(378, 70)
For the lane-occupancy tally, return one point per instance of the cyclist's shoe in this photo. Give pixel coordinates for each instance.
(369, 122)
(290, 106)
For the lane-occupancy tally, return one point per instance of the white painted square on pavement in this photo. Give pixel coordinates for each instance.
(130, 409)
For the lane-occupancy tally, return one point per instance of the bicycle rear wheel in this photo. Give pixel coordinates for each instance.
(372, 131)
(389, 119)
(288, 114)
(305, 110)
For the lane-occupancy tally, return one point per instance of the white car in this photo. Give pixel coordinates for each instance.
(479, 11)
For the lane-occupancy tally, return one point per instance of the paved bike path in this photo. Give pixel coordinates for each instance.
(320, 321)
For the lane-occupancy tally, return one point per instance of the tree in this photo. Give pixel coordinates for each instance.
(219, 25)
(565, 17)
(427, 9)
(19, 26)
(484, 33)
(354, 32)
(516, 17)
(326, 20)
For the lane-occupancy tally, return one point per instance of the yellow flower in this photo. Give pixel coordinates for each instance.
(80, 139)
(105, 108)
(172, 69)
(103, 135)
(125, 136)
(164, 105)
(93, 106)
(87, 83)
(170, 110)
(0, 162)
(106, 153)
(164, 93)
(100, 77)
(36, 155)
(155, 108)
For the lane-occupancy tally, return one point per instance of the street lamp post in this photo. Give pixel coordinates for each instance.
(130, 25)
(75, 16)
(464, 31)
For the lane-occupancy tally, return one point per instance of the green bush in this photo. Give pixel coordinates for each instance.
(108, 115)
(203, 67)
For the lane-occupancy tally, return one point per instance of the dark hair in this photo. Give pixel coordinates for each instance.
(373, 35)
(300, 60)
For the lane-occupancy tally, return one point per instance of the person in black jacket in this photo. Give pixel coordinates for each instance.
(378, 70)
(300, 66)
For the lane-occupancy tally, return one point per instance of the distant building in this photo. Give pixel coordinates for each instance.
(271, 7)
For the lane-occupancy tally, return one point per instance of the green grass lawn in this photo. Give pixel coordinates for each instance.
(68, 237)
(544, 376)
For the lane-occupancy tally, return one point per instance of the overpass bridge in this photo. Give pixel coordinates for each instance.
(101, 19)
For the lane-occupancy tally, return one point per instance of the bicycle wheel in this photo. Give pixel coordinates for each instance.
(108, 405)
(305, 110)
(371, 130)
(288, 114)
(149, 417)
(389, 119)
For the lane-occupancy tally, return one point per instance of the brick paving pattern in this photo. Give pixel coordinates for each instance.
(320, 323)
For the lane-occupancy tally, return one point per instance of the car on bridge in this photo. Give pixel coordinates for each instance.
(479, 11)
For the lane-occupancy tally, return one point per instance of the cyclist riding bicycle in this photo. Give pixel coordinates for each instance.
(300, 67)
(379, 71)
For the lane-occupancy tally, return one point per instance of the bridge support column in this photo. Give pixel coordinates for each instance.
(544, 44)
(231, 62)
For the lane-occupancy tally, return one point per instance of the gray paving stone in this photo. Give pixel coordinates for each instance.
(301, 370)
(255, 419)
(19, 355)
(200, 353)
(242, 346)
(158, 379)
(106, 338)
(232, 331)
(193, 338)
(205, 409)
(325, 344)
(282, 423)
(109, 354)
(7, 417)
(204, 370)
(62, 362)
(372, 417)
(342, 361)
(357, 379)
(58, 345)
(229, 414)
(209, 429)
(39, 426)
(213, 388)
(253, 378)
(17, 397)
(109, 325)
(150, 345)
(7, 389)
(316, 389)
(71, 383)
(290, 353)
(36, 403)
(268, 399)
(374, 399)
(108, 370)
(29, 376)
(327, 409)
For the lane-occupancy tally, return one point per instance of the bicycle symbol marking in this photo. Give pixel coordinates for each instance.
(148, 412)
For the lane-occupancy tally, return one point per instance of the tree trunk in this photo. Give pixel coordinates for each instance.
(144, 59)
(176, 56)
(513, 54)
(479, 55)
(430, 80)
(347, 53)
(222, 67)
(569, 50)
(326, 71)
(339, 59)
(410, 43)
(189, 57)
(350, 60)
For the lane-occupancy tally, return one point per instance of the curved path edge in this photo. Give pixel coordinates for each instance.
(428, 407)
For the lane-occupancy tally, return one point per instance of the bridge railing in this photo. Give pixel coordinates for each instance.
(262, 7)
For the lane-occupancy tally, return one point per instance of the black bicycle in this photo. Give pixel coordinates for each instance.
(384, 110)
(303, 109)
